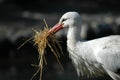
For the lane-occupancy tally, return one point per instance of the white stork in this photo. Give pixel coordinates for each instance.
(94, 57)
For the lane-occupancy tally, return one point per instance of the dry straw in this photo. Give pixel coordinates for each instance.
(42, 39)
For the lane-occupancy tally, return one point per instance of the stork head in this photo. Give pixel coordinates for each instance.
(69, 19)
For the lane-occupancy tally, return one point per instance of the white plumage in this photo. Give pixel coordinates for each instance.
(94, 57)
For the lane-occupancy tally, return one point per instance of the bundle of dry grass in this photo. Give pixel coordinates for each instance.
(42, 39)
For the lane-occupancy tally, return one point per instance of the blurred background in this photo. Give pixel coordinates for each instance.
(18, 17)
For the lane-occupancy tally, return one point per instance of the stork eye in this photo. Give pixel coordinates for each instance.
(64, 20)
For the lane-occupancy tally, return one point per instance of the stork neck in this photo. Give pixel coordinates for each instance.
(73, 36)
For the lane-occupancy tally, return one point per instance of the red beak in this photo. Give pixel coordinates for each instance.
(56, 28)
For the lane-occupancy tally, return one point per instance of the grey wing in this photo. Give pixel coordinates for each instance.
(109, 57)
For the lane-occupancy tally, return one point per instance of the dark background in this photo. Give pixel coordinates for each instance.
(18, 17)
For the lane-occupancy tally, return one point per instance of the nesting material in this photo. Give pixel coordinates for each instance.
(42, 39)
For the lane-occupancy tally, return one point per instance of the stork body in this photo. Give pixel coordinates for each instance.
(91, 58)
